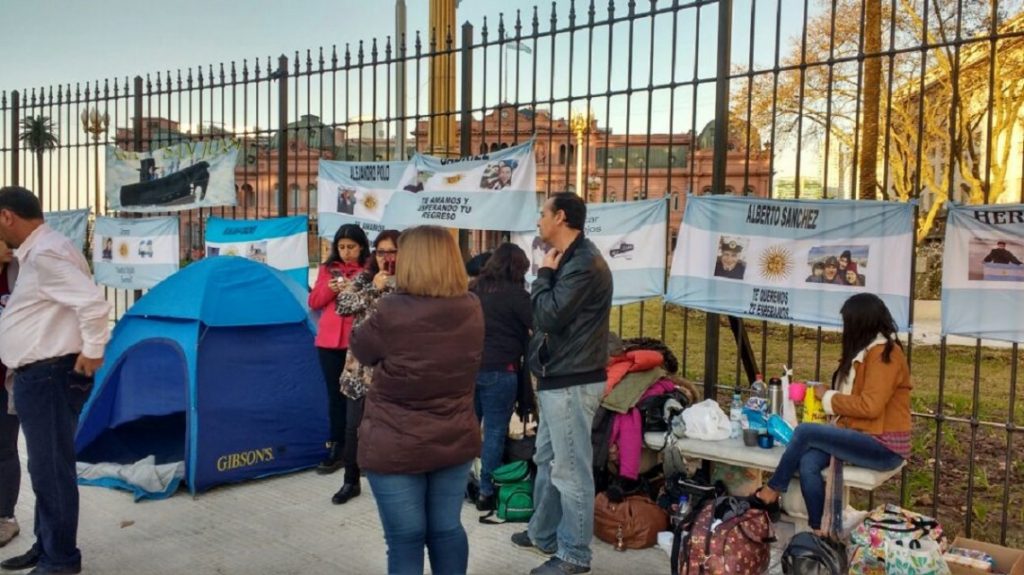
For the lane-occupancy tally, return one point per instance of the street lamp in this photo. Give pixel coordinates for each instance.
(580, 125)
(96, 124)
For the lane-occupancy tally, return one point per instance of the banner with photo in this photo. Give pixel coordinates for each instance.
(135, 253)
(71, 223)
(632, 237)
(982, 272)
(356, 193)
(794, 261)
(184, 176)
(513, 168)
(280, 243)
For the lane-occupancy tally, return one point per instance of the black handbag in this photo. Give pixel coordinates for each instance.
(808, 554)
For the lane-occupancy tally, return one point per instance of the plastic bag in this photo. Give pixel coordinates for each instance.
(780, 430)
(707, 421)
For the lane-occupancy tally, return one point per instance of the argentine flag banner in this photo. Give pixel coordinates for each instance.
(278, 242)
(71, 223)
(632, 238)
(793, 261)
(356, 193)
(135, 253)
(982, 273)
(495, 191)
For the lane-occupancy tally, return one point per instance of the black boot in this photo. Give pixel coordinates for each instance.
(347, 491)
(333, 461)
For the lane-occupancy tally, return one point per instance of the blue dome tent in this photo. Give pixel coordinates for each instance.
(215, 367)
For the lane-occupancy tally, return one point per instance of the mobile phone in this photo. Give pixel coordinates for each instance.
(389, 266)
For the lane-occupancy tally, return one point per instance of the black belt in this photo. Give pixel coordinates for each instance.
(49, 361)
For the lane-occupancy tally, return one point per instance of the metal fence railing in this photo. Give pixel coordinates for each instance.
(895, 99)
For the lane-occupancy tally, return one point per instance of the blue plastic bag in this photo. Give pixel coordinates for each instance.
(779, 429)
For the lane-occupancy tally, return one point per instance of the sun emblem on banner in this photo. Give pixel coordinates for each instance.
(452, 180)
(370, 202)
(776, 263)
(122, 249)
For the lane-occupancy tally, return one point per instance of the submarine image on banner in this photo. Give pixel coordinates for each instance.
(180, 187)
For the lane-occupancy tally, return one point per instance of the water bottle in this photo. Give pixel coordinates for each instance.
(736, 416)
(757, 389)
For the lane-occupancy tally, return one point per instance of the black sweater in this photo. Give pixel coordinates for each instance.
(508, 317)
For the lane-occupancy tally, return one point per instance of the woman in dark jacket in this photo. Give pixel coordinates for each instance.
(349, 253)
(508, 317)
(419, 433)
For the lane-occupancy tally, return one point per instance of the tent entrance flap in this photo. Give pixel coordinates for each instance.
(142, 407)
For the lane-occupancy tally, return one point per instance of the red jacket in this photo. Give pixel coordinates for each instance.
(333, 330)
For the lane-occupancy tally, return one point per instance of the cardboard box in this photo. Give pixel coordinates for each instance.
(1010, 561)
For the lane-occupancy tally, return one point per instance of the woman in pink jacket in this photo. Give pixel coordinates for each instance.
(349, 253)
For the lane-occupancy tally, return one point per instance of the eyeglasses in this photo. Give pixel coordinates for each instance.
(386, 253)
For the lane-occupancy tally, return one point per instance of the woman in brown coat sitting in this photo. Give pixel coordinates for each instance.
(870, 405)
(419, 433)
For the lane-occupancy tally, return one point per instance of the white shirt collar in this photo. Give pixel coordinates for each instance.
(26, 246)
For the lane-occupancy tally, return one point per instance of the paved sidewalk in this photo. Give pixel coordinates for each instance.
(281, 525)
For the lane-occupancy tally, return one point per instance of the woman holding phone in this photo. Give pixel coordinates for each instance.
(359, 301)
(349, 252)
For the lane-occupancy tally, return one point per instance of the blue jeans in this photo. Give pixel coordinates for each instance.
(423, 509)
(48, 403)
(563, 493)
(495, 398)
(809, 453)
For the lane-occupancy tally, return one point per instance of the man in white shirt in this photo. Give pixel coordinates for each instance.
(52, 334)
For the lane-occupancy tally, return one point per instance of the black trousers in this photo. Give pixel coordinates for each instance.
(353, 418)
(332, 361)
(10, 464)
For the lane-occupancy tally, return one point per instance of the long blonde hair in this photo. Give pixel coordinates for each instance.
(431, 263)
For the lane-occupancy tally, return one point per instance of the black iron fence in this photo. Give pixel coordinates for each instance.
(901, 99)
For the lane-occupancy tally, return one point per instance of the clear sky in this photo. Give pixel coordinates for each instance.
(50, 42)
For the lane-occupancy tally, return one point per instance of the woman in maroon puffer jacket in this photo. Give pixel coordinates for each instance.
(420, 433)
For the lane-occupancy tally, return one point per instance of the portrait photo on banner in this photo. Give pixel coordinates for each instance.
(995, 259)
(843, 265)
(498, 175)
(731, 261)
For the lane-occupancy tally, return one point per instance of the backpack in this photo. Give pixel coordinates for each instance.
(728, 535)
(515, 493)
(808, 554)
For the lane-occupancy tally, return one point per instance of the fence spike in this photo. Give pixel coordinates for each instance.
(321, 59)
(536, 22)
(309, 61)
(373, 51)
(519, 24)
(501, 27)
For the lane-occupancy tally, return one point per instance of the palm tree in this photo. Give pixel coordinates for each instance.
(39, 135)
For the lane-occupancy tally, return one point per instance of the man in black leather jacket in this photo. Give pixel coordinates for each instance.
(571, 300)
